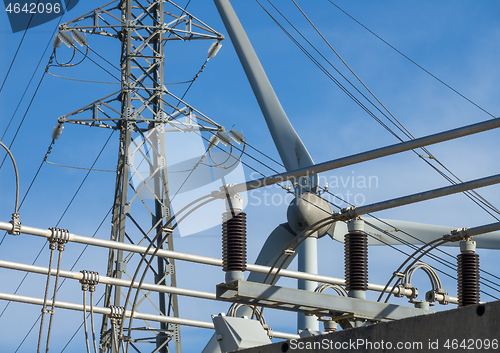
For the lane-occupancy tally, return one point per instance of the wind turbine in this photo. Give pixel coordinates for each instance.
(308, 208)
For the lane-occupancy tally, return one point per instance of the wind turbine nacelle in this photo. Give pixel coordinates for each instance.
(307, 209)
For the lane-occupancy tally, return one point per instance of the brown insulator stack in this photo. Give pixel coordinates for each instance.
(468, 278)
(234, 241)
(356, 261)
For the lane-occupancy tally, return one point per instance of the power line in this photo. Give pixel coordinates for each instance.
(17, 51)
(60, 219)
(80, 327)
(413, 62)
(435, 257)
(25, 113)
(439, 259)
(473, 195)
(29, 83)
(400, 126)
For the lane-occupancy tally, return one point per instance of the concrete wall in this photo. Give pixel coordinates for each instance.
(469, 329)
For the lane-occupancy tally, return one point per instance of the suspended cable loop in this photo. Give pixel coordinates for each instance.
(16, 223)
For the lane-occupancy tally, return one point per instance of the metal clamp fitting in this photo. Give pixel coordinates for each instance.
(47, 311)
(347, 214)
(116, 312)
(445, 300)
(167, 230)
(401, 291)
(268, 330)
(16, 225)
(89, 280)
(59, 235)
(413, 294)
(438, 295)
(398, 274)
(456, 234)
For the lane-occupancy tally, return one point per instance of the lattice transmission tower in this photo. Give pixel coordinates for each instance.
(142, 110)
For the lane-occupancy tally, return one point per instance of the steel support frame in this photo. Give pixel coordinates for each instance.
(312, 303)
(369, 155)
(141, 26)
(214, 261)
(143, 316)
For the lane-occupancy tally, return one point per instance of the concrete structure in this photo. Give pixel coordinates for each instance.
(474, 328)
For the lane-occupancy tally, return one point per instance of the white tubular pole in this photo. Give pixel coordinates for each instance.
(369, 155)
(109, 280)
(118, 246)
(193, 258)
(308, 262)
(106, 311)
(137, 315)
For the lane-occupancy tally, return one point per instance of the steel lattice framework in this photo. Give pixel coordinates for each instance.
(142, 108)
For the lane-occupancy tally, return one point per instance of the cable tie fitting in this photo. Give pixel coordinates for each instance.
(16, 225)
(289, 252)
(59, 235)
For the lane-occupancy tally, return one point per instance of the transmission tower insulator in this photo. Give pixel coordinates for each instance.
(223, 138)
(214, 49)
(234, 241)
(66, 38)
(57, 131)
(468, 275)
(356, 261)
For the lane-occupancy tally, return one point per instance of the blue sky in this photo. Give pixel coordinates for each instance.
(457, 41)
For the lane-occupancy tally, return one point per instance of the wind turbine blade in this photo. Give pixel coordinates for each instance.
(394, 232)
(279, 238)
(292, 151)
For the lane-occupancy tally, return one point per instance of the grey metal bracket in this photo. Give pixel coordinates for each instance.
(312, 303)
